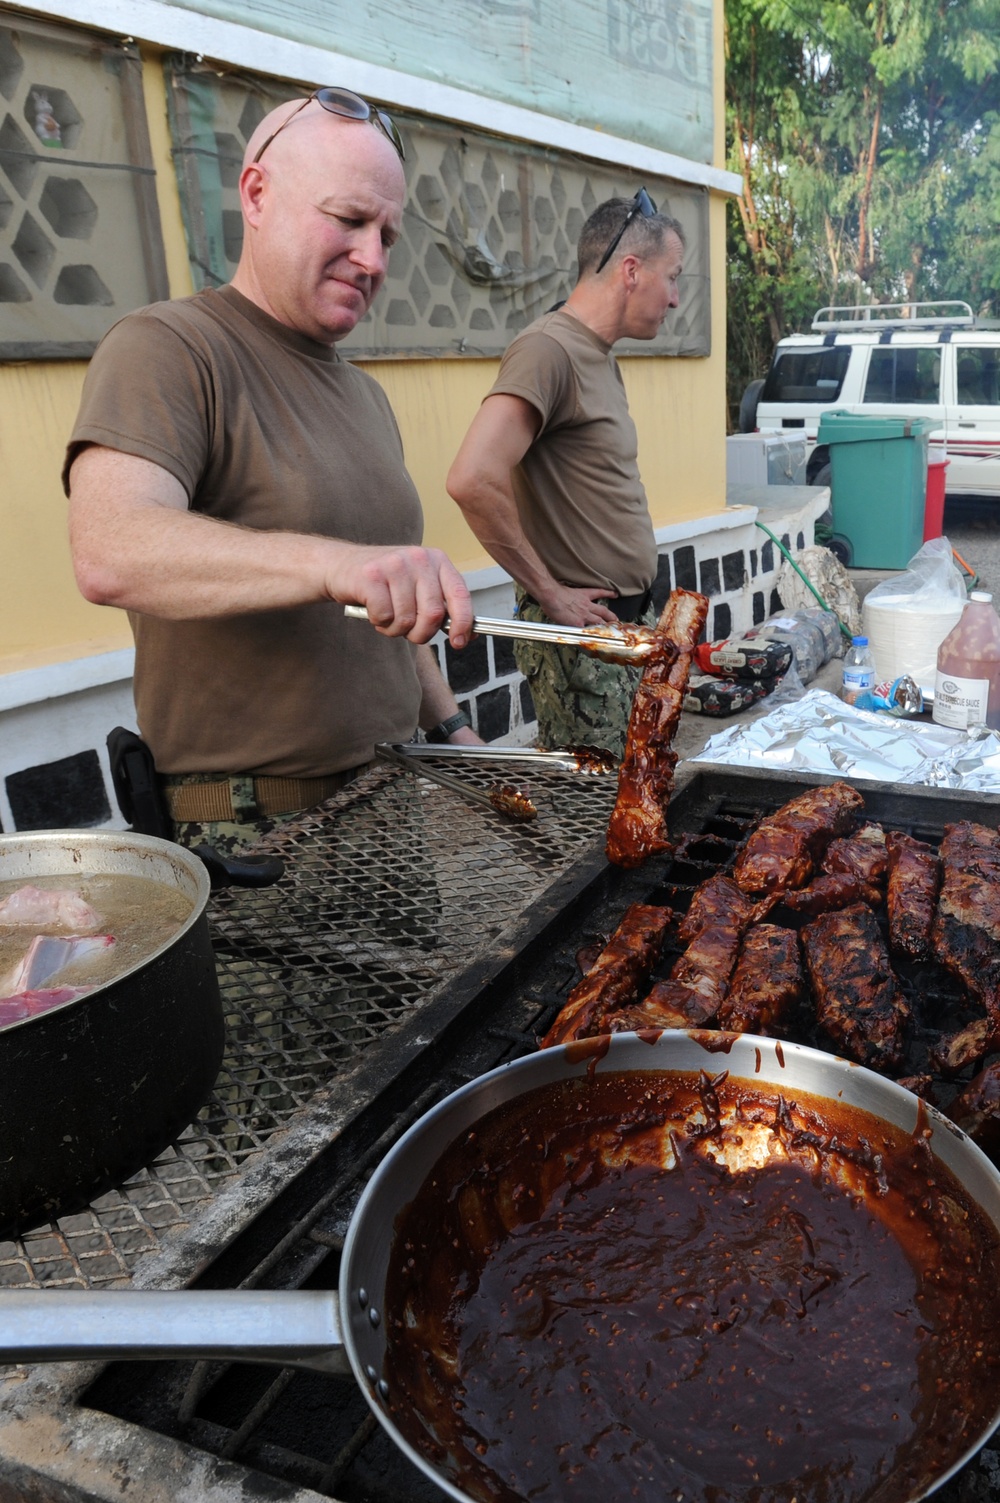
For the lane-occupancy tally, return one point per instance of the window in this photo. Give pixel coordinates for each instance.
(977, 376)
(807, 375)
(79, 229)
(903, 375)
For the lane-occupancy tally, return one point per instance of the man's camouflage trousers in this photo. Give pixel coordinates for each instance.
(579, 700)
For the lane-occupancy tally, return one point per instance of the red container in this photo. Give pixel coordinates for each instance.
(934, 504)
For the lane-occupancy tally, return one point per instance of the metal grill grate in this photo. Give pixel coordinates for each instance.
(388, 894)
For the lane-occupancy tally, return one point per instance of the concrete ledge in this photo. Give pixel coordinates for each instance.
(33, 686)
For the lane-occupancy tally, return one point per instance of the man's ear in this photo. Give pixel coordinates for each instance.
(629, 267)
(253, 186)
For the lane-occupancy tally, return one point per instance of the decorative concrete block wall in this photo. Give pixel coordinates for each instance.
(54, 721)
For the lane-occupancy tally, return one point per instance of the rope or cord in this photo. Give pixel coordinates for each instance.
(804, 577)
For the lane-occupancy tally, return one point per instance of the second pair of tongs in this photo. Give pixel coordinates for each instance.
(502, 798)
(592, 761)
(614, 644)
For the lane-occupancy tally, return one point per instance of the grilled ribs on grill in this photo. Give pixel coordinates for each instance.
(638, 824)
(864, 855)
(966, 931)
(717, 919)
(853, 871)
(781, 852)
(956, 1051)
(977, 1108)
(717, 900)
(768, 986)
(858, 1001)
(914, 879)
(827, 892)
(616, 975)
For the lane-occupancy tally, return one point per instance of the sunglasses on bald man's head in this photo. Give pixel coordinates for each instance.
(349, 106)
(641, 204)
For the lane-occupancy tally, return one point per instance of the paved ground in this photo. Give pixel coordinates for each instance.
(972, 526)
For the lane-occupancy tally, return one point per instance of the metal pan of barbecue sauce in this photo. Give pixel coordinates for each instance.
(689, 1266)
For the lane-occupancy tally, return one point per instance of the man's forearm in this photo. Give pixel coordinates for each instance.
(136, 545)
(491, 511)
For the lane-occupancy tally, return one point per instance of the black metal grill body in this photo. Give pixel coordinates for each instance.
(310, 1436)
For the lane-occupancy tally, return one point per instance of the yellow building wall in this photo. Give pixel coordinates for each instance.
(678, 406)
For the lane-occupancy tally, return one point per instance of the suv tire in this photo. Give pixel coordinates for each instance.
(748, 407)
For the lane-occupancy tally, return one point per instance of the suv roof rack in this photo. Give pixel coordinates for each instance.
(907, 316)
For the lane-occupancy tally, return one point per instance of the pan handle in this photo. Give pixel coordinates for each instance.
(238, 870)
(295, 1328)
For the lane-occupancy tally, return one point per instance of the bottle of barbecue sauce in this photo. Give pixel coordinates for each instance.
(967, 683)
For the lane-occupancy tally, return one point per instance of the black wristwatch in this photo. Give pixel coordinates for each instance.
(448, 727)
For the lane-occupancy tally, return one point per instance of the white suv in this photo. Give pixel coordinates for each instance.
(931, 360)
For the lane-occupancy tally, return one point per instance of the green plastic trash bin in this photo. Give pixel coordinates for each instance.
(878, 471)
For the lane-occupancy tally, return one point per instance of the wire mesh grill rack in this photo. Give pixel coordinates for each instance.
(390, 889)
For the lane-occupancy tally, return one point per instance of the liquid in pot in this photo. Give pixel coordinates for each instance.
(667, 1287)
(140, 913)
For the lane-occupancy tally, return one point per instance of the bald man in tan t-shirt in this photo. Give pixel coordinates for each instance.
(548, 478)
(231, 479)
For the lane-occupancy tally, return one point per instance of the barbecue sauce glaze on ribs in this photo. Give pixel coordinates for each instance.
(859, 1005)
(914, 879)
(616, 975)
(768, 987)
(739, 974)
(781, 852)
(665, 1286)
(966, 930)
(638, 825)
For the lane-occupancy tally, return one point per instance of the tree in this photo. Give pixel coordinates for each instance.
(864, 133)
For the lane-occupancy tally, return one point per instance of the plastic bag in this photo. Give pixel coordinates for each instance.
(810, 634)
(907, 617)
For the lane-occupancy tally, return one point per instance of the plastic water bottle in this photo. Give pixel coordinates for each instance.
(967, 683)
(859, 671)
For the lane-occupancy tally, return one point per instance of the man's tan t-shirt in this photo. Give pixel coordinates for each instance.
(581, 502)
(264, 428)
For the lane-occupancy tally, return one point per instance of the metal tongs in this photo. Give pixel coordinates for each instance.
(502, 798)
(592, 761)
(614, 644)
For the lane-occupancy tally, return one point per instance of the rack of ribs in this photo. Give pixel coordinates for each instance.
(858, 1001)
(638, 824)
(826, 892)
(718, 917)
(965, 934)
(914, 879)
(782, 851)
(864, 856)
(976, 1109)
(768, 987)
(616, 975)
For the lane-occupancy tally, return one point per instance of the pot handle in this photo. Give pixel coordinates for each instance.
(239, 871)
(294, 1328)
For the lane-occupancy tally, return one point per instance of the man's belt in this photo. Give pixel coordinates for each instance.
(209, 801)
(630, 607)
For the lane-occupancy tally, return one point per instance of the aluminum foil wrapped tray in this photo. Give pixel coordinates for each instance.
(819, 733)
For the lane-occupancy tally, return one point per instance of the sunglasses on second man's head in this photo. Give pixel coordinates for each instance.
(641, 204)
(349, 106)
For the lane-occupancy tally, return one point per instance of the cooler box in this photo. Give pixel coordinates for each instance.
(878, 468)
(934, 508)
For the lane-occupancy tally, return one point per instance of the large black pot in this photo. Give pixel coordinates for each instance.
(94, 1089)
